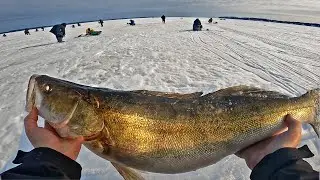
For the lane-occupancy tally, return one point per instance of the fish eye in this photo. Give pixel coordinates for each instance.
(47, 88)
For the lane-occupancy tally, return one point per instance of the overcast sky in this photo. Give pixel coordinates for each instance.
(15, 14)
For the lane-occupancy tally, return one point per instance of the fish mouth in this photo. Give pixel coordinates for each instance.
(30, 99)
(34, 99)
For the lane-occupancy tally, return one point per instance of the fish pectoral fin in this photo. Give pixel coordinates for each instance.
(126, 172)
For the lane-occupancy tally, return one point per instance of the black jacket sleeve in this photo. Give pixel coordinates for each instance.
(43, 163)
(286, 164)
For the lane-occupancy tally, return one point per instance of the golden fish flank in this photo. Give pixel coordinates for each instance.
(146, 135)
(166, 132)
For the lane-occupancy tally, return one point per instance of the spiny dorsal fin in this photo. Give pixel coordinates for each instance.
(247, 91)
(169, 95)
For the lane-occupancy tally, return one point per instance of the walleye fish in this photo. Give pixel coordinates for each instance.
(166, 132)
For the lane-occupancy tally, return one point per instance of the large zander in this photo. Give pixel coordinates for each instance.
(165, 132)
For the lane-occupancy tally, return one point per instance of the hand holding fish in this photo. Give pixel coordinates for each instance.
(47, 137)
(283, 139)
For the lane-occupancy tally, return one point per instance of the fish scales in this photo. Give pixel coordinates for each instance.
(143, 132)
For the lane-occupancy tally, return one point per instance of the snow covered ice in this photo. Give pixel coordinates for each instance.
(162, 57)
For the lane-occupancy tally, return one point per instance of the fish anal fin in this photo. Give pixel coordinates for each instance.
(126, 172)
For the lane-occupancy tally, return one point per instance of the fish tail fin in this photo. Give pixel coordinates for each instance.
(316, 123)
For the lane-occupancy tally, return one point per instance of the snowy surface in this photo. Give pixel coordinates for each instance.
(163, 57)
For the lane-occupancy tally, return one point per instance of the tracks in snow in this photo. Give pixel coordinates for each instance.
(271, 59)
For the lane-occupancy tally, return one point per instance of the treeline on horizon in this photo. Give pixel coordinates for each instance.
(271, 20)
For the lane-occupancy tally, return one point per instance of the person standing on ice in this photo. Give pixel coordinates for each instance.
(101, 22)
(26, 32)
(163, 17)
(59, 31)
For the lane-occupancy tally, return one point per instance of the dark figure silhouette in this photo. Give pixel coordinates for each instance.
(36, 29)
(210, 20)
(79, 24)
(197, 25)
(163, 17)
(42, 28)
(132, 23)
(101, 22)
(26, 32)
(73, 26)
(59, 31)
(4, 35)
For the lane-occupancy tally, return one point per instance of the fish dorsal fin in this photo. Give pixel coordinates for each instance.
(248, 91)
(169, 95)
